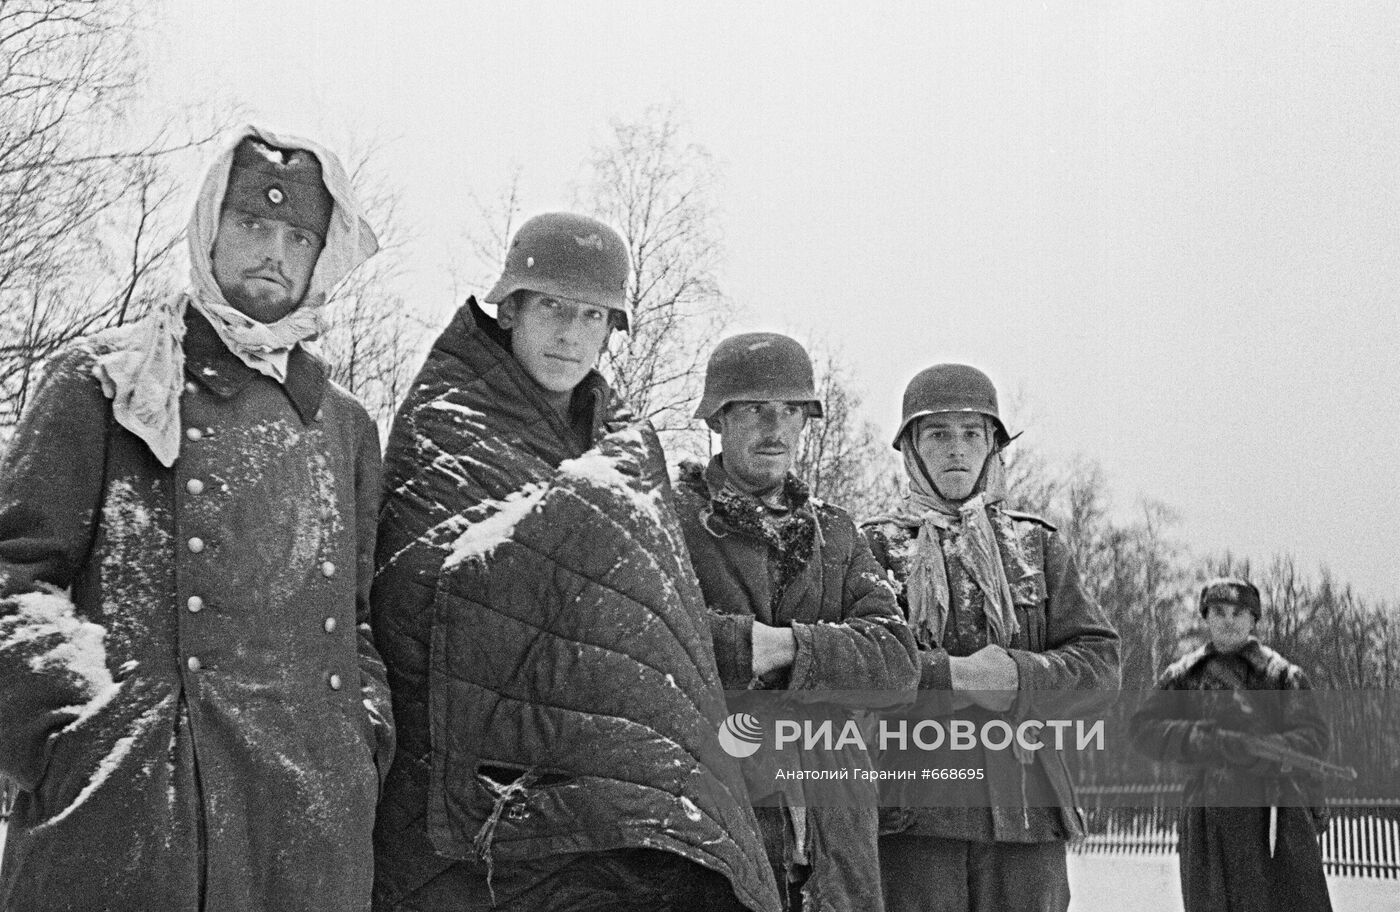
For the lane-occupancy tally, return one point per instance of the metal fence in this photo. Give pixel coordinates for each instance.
(1363, 839)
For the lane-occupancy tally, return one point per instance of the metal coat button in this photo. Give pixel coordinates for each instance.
(328, 569)
(330, 625)
(196, 544)
(194, 486)
(192, 663)
(334, 681)
(195, 604)
(194, 433)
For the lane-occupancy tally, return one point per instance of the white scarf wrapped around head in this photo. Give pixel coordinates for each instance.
(143, 371)
(927, 587)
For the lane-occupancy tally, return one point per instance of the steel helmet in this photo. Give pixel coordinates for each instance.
(568, 256)
(951, 388)
(758, 367)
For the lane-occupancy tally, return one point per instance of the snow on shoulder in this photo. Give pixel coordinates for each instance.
(443, 404)
(600, 466)
(44, 624)
(612, 465)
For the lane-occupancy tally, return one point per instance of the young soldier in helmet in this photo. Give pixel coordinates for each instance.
(797, 601)
(997, 608)
(545, 640)
(189, 695)
(1261, 851)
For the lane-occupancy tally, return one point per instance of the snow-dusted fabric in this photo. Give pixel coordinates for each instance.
(142, 366)
(171, 749)
(927, 586)
(545, 639)
(1064, 641)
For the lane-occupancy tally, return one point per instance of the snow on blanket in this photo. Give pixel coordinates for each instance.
(601, 469)
(483, 536)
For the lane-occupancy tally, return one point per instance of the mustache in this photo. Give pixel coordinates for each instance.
(267, 271)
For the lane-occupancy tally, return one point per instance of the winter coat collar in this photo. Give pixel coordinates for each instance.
(794, 496)
(209, 363)
(793, 537)
(1263, 661)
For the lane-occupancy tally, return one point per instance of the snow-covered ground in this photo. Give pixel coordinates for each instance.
(1148, 883)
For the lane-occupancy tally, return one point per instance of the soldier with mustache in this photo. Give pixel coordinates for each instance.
(190, 697)
(796, 601)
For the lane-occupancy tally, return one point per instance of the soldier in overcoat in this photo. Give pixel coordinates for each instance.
(1249, 828)
(190, 698)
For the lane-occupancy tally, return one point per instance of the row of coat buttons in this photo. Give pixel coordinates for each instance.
(196, 545)
(332, 680)
(196, 604)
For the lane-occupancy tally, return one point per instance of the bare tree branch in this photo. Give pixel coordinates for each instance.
(86, 234)
(655, 188)
(375, 344)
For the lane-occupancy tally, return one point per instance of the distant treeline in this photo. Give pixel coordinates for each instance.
(1149, 583)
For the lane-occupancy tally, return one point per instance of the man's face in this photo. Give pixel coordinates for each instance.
(263, 265)
(1230, 625)
(954, 447)
(759, 440)
(556, 341)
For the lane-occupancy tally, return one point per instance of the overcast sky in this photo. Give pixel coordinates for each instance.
(1173, 227)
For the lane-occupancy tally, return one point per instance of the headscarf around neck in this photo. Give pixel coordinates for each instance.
(928, 593)
(142, 369)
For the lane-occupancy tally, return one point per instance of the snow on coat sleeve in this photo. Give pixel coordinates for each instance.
(872, 647)
(1074, 647)
(1081, 646)
(934, 671)
(52, 661)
